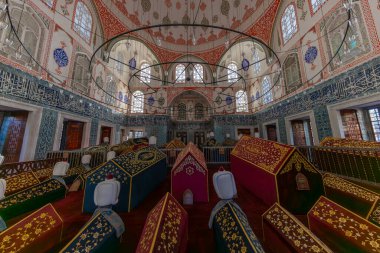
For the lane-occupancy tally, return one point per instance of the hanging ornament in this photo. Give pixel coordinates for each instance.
(245, 64)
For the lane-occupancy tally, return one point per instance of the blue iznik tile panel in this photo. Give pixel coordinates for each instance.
(282, 130)
(20, 86)
(48, 127)
(94, 131)
(361, 81)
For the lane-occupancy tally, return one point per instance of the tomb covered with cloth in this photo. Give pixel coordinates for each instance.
(20, 182)
(165, 228)
(275, 172)
(341, 229)
(31, 198)
(285, 233)
(38, 232)
(138, 172)
(352, 196)
(190, 172)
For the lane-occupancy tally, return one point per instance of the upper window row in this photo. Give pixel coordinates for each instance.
(197, 73)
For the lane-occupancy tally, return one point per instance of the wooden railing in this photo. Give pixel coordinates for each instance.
(74, 157)
(357, 163)
(11, 169)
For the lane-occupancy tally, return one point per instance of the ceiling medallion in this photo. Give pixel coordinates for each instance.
(245, 64)
(132, 64)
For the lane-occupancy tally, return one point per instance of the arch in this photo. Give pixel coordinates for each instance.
(241, 101)
(80, 78)
(137, 105)
(292, 74)
(231, 72)
(289, 24)
(180, 73)
(145, 73)
(82, 23)
(266, 90)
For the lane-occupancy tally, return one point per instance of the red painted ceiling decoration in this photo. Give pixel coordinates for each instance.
(117, 16)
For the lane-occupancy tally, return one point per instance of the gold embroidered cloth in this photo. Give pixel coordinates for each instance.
(38, 232)
(193, 150)
(20, 182)
(292, 230)
(263, 154)
(353, 230)
(175, 144)
(165, 229)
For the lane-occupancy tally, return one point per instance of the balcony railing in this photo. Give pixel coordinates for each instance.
(74, 157)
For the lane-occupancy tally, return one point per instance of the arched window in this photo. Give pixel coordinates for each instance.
(119, 63)
(316, 4)
(199, 112)
(49, 3)
(182, 111)
(232, 73)
(267, 92)
(241, 101)
(137, 102)
(289, 23)
(257, 64)
(180, 73)
(198, 73)
(292, 73)
(145, 73)
(83, 21)
(80, 79)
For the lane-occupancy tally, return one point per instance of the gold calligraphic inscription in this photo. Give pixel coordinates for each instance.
(299, 163)
(294, 231)
(342, 185)
(25, 232)
(44, 173)
(20, 182)
(236, 232)
(91, 236)
(351, 226)
(264, 154)
(31, 192)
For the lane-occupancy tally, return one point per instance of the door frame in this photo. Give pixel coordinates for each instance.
(289, 131)
(32, 127)
(265, 133)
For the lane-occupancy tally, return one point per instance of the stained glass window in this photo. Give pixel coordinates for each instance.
(267, 92)
(241, 101)
(316, 4)
(232, 73)
(374, 115)
(137, 102)
(256, 60)
(180, 73)
(198, 73)
(83, 21)
(289, 23)
(145, 73)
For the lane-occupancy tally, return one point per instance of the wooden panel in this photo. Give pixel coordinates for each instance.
(74, 134)
(105, 132)
(182, 136)
(15, 136)
(271, 132)
(199, 138)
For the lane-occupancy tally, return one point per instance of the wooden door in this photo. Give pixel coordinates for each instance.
(74, 135)
(351, 125)
(182, 136)
(105, 132)
(244, 131)
(14, 127)
(299, 137)
(271, 132)
(199, 138)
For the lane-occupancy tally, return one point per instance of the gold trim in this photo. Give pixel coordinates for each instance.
(158, 223)
(371, 210)
(130, 194)
(80, 232)
(242, 227)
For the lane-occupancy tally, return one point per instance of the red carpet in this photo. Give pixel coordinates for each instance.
(200, 236)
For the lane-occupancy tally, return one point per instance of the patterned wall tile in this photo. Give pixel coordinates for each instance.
(94, 131)
(45, 140)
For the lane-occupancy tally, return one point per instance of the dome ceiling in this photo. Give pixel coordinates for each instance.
(249, 16)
